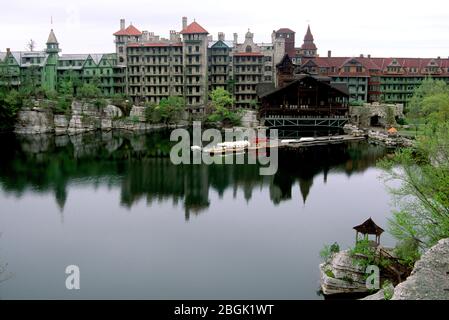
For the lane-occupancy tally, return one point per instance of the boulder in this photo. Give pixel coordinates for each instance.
(61, 123)
(429, 279)
(342, 275)
(34, 120)
(111, 112)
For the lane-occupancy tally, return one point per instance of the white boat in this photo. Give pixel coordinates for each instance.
(195, 148)
(287, 141)
(234, 144)
(306, 139)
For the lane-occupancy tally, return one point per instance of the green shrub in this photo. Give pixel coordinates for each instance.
(329, 273)
(407, 251)
(388, 290)
(328, 250)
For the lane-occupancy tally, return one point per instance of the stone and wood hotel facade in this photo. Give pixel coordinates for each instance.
(191, 63)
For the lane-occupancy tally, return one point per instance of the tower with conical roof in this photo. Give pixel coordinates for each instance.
(308, 48)
(195, 45)
(50, 70)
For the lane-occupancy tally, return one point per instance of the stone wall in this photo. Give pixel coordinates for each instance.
(361, 115)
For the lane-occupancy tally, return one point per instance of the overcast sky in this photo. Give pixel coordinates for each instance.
(349, 28)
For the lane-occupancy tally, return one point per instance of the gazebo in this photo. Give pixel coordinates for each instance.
(368, 228)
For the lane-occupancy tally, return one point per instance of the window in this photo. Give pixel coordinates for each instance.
(248, 49)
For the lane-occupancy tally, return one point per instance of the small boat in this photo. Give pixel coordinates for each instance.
(307, 139)
(338, 138)
(288, 141)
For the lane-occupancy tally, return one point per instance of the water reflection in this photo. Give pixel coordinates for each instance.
(139, 165)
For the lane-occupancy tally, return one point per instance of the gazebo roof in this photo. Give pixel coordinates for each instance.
(369, 227)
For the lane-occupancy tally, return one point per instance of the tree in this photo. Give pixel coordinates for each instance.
(89, 91)
(423, 195)
(417, 112)
(31, 45)
(221, 103)
(169, 110)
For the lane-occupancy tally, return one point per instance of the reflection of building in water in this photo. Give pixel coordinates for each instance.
(196, 186)
(44, 163)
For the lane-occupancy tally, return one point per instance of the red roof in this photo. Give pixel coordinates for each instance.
(285, 30)
(379, 65)
(130, 31)
(308, 36)
(194, 27)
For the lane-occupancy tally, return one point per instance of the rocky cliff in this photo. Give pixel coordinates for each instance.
(429, 279)
(83, 117)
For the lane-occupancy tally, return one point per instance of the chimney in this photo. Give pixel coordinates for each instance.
(221, 36)
(122, 24)
(145, 36)
(235, 38)
(361, 55)
(184, 23)
(210, 38)
(329, 53)
(8, 50)
(369, 56)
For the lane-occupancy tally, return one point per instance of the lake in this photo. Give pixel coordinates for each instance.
(140, 227)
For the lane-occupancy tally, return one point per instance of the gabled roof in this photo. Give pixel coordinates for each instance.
(369, 227)
(300, 77)
(130, 31)
(194, 27)
(52, 38)
(73, 56)
(229, 44)
(285, 30)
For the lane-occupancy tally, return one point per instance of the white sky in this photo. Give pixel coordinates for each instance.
(347, 27)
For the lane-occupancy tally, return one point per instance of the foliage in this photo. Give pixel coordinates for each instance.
(356, 103)
(364, 255)
(407, 251)
(328, 250)
(329, 273)
(89, 91)
(388, 290)
(10, 103)
(222, 102)
(423, 194)
(430, 102)
(169, 110)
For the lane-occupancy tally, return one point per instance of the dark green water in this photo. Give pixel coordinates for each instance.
(140, 227)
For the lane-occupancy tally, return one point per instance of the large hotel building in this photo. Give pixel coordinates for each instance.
(191, 63)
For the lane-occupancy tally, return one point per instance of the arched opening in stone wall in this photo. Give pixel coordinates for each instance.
(374, 121)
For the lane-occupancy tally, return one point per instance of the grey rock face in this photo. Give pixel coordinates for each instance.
(346, 277)
(429, 279)
(61, 123)
(34, 120)
(249, 119)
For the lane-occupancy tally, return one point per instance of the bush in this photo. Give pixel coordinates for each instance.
(328, 250)
(63, 104)
(407, 251)
(388, 290)
(89, 91)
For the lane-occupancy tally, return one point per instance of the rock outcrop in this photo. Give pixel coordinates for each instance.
(429, 279)
(342, 275)
(249, 119)
(34, 120)
(84, 117)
